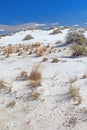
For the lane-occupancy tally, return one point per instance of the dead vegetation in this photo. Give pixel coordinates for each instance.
(23, 76)
(2, 83)
(56, 31)
(35, 76)
(20, 49)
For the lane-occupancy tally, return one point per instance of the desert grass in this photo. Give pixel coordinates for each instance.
(35, 76)
(23, 76)
(55, 60)
(45, 59)
(74, 93)
(2, 83)
(56, 31)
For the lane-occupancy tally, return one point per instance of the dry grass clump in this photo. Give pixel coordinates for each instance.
(35, 76)
(37, 44)
(58, 42)
(74, 94)
(73, 91)
(26, 49)
(45, 59)
(56, 31)
(65, 27)
(2, 83)
(28, 37)
(36, 95)
(23, 76)
(55, 60)
(20, 53)
(9, 49)
(40, 52)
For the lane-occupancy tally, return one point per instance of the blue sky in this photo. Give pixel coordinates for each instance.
(66, 12)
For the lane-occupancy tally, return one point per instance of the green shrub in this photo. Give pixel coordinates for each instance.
(79, 50)
(28, 37)
(76, 37)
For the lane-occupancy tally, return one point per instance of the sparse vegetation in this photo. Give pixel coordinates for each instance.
(23, 76)
(45, 59)
(76, 37)
(58, 42)
(79, 50)
(40, 52)
(35, 76)
(2, 83)
(56, 31)
(74, 94)
(28, 37)
(55, 60)
(36, 95)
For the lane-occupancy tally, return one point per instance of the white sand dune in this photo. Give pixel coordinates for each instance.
(54, 109)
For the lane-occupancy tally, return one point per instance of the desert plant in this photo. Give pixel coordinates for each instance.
(37, 44)
(79, 50)
(56, 31)
(45, 59)
(55, 60)
(9, 49)
(40, 52)
(28, 37)
(2, 83)
(23, 76)
(58, 42)
(74, 94)
(36, 95)
(76, 37)
(35, 76)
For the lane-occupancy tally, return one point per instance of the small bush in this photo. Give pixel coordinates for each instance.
(58, 42)
(35, 76)
(45, 59)
(9, 49)
(74, 94)
(40, 52)
(56, 31)
(23, 76)
(76, 37)
(2, 83)
(28, 37)
(36, 95)
(79, 50)
(55, 60)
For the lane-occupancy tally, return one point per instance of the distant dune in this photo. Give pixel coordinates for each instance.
(15, 28)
